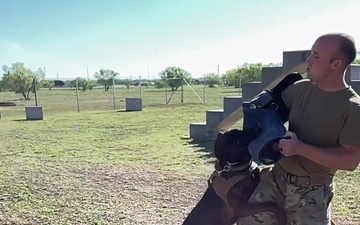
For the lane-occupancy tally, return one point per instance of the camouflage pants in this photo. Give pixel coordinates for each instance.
(304, 205)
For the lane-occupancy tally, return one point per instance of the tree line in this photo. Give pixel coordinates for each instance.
(22, 80)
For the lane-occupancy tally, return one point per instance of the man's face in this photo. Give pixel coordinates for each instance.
(320, 63)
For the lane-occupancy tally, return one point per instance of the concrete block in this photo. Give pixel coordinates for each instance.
(269, 74)
(34, 112)
(213, 118)
(354, 72)
(293, 58)
(355, 84)
(198, 131)
(133, 104)
(251, 89)
(231, 103)
(348, 76)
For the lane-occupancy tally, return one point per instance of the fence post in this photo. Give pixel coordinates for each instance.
(166, 97)
(182, 90)
(204, 89)
(140, 84)
(35, 91)
(77, 95)
(114, 100)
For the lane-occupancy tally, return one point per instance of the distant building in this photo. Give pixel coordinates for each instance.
(57, 83)
(198, 80)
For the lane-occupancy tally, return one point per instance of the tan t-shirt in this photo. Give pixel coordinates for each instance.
(323, 119)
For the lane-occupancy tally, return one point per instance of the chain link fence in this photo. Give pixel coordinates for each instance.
(68, 98)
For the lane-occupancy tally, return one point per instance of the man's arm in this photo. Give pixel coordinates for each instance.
(346, 157)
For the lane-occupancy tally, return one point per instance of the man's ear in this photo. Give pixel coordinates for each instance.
(337, 63)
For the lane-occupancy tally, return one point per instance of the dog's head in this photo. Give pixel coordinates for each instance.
(232, 146)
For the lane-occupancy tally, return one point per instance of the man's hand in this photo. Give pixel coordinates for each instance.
(290, 146)
(345, 157)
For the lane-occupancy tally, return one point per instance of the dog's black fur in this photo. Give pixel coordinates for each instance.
(231, 146)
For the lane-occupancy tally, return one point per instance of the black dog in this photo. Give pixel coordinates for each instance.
(231, 185)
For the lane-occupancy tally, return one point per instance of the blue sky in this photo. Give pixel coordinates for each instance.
(128, 36)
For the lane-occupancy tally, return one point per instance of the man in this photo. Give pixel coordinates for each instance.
(324, 126)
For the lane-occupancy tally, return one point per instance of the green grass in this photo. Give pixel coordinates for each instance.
(101, 166)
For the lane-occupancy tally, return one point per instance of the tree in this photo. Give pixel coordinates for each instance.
(20, 79)
(125, 82)
(83, 84)
(212, 79)
(4, 86)
(273, 65)
(159, 84)
(47, 84)
(173, 76)
(231, 77)
(105, 77)
(247, 73)
(90, 84)
(251, 72)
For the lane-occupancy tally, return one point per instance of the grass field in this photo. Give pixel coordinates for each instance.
(105, 166)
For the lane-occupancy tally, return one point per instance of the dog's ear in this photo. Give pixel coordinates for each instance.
(218, 145)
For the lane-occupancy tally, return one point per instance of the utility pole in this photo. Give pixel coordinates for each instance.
(240, 88)
(148, 75)
(87, 72)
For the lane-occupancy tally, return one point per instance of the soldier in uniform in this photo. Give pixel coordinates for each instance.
(324, 126)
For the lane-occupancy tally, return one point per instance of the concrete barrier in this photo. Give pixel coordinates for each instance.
(133, 104)
(249, 90)
(231, 103)
(34, 112)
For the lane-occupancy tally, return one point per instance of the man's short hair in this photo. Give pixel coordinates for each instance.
(347, 46)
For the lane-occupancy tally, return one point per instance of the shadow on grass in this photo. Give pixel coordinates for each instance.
(124, 110)
(159, 90)
(205, 147)
(27, 120)
(233, 92)
(172, 105)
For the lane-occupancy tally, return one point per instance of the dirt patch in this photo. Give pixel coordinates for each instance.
(96, 194)
(110, 195)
